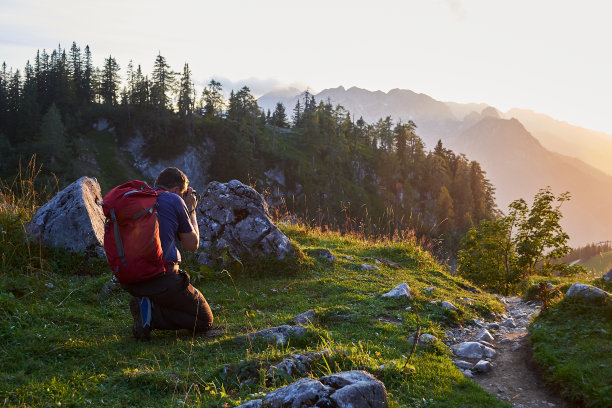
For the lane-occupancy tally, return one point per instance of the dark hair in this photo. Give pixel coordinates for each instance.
(171, 177)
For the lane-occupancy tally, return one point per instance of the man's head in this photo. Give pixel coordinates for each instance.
(172, 179)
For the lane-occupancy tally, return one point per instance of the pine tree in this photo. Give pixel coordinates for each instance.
(162, 84)
(185, 102)
(110, 81)
(279, 117)
(212, 100)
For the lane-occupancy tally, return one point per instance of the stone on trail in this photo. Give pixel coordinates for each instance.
(73, 220)
(464, 365)
(471, 349)
(400, 291)
(235, 216)
(586, 291)
(484, 335)
(482, 366)
(509, 323)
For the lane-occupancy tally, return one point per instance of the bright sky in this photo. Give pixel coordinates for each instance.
(551, 56)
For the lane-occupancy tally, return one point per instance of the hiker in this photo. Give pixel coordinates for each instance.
(168, 301)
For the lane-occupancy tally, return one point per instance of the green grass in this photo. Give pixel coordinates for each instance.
(572, 342)
(64, 341)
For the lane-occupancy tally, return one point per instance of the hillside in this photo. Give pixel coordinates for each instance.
(518, 165)
(66, 340)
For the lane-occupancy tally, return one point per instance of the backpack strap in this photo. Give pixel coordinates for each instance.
(120, 250)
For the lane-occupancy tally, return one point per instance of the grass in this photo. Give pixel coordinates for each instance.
(572, 343)
(64, 341)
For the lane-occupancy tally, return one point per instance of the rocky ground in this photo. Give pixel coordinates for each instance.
(497, 355)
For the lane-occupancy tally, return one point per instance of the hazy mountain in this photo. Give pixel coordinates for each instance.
(520, 155)
(518, 165)
(590, 146)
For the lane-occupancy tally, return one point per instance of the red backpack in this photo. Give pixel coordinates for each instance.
(131, 233)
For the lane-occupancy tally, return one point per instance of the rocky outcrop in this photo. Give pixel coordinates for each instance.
(586, 291)
(234, 216)
(73, 220)
(349, 389)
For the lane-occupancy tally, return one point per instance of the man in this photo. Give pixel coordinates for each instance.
(168, 301)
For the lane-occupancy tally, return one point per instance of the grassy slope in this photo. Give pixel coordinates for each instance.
(573, 343)
(63, 340)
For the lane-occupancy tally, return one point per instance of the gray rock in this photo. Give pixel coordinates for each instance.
(509, 323)
(400, 291)
(304, 392)
(448, 305)
(295, 364)
(280, 334)
(429, 289)
(326, 254)
(366, 267)
(464, 365)
(586, 291)
(305, 318)
(234, 215)
(482, 366)
(350, 389)
(73, 220)
(467, 373)
(484, 335)
(427, 338)
(608, 276)
(471, 349)
(356, 389)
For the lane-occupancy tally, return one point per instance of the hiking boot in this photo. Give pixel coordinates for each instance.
(141, 312)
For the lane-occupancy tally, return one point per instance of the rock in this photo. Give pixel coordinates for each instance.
(484, 335)
(305, 318)
(400, 291)
(516, 346)
(73, 220)
(304, 392)
(427, 338)
(280, 334)
(234, 215)
(471, 349)
(448, 305)
(493, 326)
(369, 267)
(608, 276)
(467, 373)
(464, 365)
(482, 366)
(586, 291)
(356, 389)
(326, 254)
(509, 323)
(349, 389)
(429, 289)
(296, 364)
(49, 285)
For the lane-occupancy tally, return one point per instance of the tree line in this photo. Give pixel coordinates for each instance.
(338, 169)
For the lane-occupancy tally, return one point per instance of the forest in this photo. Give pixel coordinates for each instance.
(340, 172)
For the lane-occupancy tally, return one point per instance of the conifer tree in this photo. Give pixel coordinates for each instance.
(110, 81)
(212, 100)
(163, 81)
(185, 102)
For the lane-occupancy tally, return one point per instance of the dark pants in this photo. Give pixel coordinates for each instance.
(175, 303)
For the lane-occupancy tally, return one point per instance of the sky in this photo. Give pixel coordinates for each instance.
(550, 56)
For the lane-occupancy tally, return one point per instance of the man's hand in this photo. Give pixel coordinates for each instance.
(191, 200)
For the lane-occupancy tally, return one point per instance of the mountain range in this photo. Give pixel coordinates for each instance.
(521, 151)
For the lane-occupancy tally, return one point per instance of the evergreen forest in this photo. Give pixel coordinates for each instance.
(339, 171)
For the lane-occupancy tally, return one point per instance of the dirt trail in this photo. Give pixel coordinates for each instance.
(513, 377)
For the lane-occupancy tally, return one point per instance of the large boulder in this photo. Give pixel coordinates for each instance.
(73, 219)
(235, 216)
(349, 389)
(586, 291)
